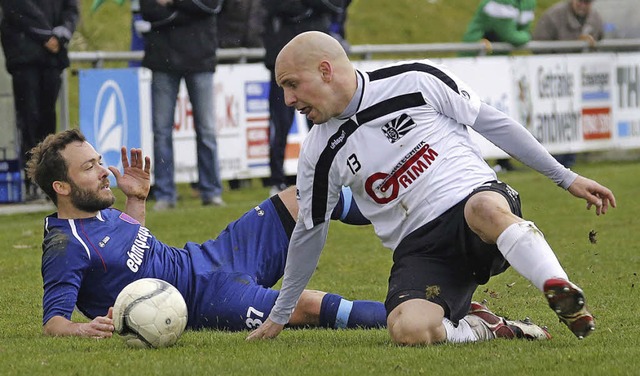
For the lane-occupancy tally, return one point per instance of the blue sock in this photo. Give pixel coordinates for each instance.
(339, 313)
(347, 211)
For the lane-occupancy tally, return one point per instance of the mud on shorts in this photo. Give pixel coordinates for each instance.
(444, 261)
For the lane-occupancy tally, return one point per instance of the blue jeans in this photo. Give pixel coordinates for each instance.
(164, 92)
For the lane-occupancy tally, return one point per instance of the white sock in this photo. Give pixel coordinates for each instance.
(524, 246)
(459, 334)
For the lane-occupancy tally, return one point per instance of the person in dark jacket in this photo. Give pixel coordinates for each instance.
(180, 43)
(286, 19)
(35, 35)
(241, 24)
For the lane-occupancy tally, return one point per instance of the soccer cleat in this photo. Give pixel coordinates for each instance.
(568, 302)
(528, 330)
(499, 327)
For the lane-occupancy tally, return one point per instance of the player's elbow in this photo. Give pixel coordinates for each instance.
(54, 326)
(47, 330)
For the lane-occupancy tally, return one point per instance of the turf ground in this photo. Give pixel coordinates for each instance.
(355, 265)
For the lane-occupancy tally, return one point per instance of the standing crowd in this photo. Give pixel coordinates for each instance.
(180, 40)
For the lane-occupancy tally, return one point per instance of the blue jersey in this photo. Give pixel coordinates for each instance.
(87, 262)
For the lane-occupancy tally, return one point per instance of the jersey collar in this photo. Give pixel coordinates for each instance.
(352, 107)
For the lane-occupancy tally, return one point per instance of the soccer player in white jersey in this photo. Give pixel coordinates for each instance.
(398, 137)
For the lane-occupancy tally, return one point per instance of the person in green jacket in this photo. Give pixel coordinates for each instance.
(501, 21)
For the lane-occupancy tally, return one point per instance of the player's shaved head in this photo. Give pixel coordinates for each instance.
(317, 77)
(311, 48)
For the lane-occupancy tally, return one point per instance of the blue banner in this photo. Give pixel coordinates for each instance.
(110, 111)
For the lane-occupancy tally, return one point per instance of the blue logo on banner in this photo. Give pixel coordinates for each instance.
(596, 96)
(110, 111)
(624, 129)
(257, 101)
(257, 96)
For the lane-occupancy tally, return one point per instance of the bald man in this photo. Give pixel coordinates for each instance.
(398, 137)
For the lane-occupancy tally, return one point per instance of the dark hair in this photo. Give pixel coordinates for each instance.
(46, 164)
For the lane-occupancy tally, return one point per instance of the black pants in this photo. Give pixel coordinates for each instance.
(35, 92)
(281, 119)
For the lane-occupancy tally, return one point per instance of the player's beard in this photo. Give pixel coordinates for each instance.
(89, 200)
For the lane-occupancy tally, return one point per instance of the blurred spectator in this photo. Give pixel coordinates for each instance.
(337, 28)
(285, 19)
(570, 20)
(501, 21)
(137, 27)
(241, 24)
(35, 34)
(181, 44)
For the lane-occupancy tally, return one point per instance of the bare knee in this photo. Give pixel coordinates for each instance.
(416, 322)
(488, 214)
(307, 311)
(288, 197)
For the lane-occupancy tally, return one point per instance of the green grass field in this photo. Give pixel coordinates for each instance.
(355, 265)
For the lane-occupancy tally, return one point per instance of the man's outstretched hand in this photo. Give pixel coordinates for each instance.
(100, 327)
(267, 330)
(596, 195)
(135, 181)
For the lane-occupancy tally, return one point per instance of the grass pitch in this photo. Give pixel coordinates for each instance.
(355, 265)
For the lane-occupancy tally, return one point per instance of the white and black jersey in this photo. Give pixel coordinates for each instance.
(406, 153)
(404, 149)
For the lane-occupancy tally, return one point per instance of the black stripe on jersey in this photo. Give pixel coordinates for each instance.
(339, 139)
(362, 90)
(390, 105)
(395, 70)
(321, 175)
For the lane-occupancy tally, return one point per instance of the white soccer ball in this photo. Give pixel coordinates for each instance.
(150, 312)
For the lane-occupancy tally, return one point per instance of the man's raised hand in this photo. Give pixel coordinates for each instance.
(135, 181)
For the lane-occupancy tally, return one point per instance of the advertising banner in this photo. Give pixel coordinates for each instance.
(626, 100)
(114, 111)
(569, 102)
(242, 126)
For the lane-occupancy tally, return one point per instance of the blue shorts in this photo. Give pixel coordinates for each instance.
(239, 267)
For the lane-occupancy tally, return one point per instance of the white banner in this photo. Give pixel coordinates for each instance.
(570, 103)
(626, 100)
(242, 126)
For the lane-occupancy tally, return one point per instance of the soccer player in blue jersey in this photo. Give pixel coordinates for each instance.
(92, 251)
